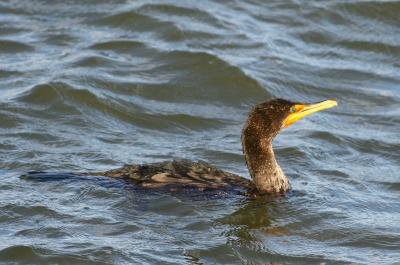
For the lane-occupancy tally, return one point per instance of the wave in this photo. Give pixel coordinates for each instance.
(379, 11)
(67, 99)
(10, 46)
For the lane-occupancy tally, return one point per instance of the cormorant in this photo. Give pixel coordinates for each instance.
(264, 122)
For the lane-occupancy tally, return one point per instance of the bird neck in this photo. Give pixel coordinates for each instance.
(267, 175)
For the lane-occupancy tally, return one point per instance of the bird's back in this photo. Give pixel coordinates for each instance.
(177, 175)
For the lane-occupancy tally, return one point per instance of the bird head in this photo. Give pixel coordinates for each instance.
(270, 117)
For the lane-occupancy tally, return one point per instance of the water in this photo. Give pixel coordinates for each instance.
(91, 85)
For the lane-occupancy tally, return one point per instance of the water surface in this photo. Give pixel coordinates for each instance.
(92, 85)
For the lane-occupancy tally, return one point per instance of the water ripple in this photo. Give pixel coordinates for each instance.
(91, 85)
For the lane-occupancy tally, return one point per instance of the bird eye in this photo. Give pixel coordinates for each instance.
(293, 109)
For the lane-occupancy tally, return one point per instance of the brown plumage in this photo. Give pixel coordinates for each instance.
(264, 122)
(178, 174)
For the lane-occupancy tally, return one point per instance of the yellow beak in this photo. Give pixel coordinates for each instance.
(299, 111)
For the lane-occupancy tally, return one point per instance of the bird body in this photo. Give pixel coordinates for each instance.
(178, 174)
(264, 122)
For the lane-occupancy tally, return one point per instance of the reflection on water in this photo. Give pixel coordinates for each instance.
(93, 85)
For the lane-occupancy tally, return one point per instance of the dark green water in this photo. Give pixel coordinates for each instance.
(91, 85)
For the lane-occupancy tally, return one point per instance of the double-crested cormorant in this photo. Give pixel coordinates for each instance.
(264, 122)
